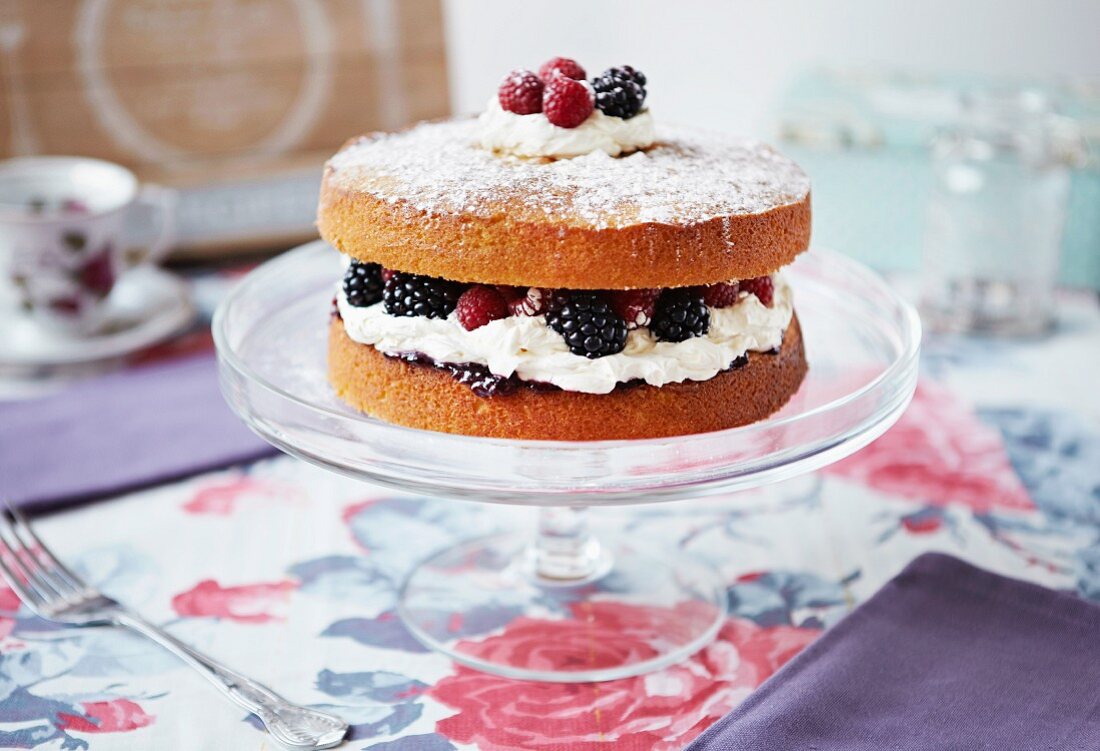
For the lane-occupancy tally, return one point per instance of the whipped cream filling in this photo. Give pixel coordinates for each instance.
(526, 346)
(535, 136)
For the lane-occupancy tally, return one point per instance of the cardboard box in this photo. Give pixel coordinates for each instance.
(235, 102)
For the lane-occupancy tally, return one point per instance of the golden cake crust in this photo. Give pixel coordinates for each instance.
(693, 209)
(428, 398)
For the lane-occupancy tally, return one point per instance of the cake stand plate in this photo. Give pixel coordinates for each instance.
(862, 343)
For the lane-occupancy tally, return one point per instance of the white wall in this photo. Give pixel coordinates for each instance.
(721, 64)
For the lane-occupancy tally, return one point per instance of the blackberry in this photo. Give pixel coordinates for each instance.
(620, 92)
(637, 75)
(589, 326)
(416, 295)
(363, 284)
(680, 314)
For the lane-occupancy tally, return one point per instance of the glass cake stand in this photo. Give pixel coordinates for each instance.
(862, 342)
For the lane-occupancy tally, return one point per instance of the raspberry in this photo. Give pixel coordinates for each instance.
(535, 301)
(478, 305)
(680, 315)
(721, 295)
(762, 286)
(635, 305)
(513, 296)
(363, 284)
(567, 103)
(521, 92)
(620, 92)
(561, 66)
(589, 325)
(510, 293)
(386, 274)
(415, 295)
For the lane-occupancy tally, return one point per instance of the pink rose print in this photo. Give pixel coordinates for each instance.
(115, 716)
(9, 606)
(97, 275)
(248, 603)
(223, 498)
(924, 522)
(657, 712)
(939, 452)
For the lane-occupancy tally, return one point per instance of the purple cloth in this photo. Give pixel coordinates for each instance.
(945, 656)
(123, 431)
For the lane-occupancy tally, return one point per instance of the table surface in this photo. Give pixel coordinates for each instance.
(288, 573)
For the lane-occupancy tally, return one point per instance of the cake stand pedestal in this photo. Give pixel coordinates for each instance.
(862, 343)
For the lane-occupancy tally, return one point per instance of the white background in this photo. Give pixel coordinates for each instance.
(722, 64)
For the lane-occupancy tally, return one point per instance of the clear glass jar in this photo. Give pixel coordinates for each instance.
(993, 233)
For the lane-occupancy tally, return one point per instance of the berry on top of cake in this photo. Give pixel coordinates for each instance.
(560, 268)
(558, 113)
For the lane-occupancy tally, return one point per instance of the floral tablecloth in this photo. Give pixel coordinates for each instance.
(288, 573)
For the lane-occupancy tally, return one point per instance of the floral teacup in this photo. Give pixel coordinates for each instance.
(68, 231)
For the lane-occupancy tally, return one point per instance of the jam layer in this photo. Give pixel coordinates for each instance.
(486, 384)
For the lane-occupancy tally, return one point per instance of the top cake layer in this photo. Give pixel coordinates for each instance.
(695, 208)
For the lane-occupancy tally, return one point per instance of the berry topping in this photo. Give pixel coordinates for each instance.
(680, 315)
(478, 305)
(555, 299)
(562, 66)
(762, 286)
(415, 295)
(521, 92)
(637, 76)
(589, 325)
(635, 305)
(510, 293)
(567, 103)
(363, 284)
(620, 92)
(386, 274)
(721, 295)
(534, 302)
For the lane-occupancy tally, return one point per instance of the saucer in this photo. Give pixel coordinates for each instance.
(146, 306)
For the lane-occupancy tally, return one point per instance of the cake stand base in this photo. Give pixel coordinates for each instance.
(562, 608)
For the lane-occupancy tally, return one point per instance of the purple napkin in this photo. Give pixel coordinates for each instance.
(123, 431)
(945, 656)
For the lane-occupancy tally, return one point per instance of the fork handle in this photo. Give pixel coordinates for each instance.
(293, 725)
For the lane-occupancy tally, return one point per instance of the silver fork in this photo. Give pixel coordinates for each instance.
(55, 593)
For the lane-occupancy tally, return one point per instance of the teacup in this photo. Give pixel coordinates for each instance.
(69, 227)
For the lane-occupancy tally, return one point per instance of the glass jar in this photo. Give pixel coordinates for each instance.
(993, 232)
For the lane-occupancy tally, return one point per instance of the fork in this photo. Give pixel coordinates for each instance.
(52, 591)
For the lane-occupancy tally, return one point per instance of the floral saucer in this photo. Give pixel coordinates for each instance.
(146, 306)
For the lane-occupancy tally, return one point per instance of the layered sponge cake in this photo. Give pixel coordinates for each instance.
(563, 268)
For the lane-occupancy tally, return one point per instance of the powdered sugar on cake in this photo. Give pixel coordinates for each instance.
(688, 176)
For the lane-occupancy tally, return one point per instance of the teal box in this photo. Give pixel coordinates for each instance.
(864, 140)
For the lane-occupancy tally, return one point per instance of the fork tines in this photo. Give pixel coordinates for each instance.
(31, 570)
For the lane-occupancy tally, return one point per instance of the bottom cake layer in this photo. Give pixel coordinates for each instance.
(430, 398)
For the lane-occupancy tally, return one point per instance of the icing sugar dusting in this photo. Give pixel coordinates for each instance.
(687, 177)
